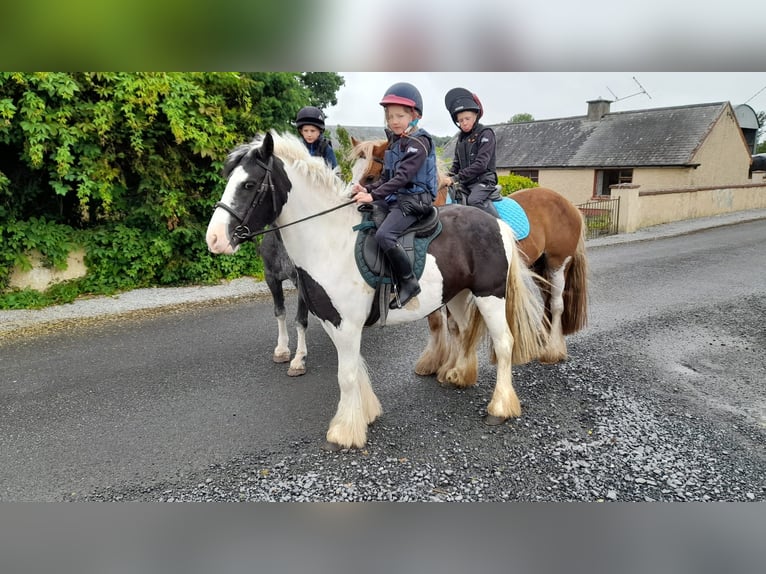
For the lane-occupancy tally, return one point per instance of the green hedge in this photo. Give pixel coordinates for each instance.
(127, 165)
(511, 183)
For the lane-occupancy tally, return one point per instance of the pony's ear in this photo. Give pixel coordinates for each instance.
(354, 142)
(268, 146)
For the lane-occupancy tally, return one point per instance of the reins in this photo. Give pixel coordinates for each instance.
(242, 232)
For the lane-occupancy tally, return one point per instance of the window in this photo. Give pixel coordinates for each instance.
(532, 174)
(607, 177)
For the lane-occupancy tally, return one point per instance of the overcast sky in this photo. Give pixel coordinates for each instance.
(544, 95)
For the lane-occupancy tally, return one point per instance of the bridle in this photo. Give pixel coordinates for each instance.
(242, 232)
(374, 159)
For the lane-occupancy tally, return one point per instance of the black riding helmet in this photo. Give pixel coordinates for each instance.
(403, 94)
(459, 100)
(310, 116)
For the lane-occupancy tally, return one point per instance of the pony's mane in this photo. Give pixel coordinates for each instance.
(365, 148)
(292, 151)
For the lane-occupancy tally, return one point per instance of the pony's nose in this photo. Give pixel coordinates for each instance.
(214, 243)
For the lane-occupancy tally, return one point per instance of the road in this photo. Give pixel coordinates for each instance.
(663, 398)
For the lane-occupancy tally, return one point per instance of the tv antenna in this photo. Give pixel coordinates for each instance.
(643, 91)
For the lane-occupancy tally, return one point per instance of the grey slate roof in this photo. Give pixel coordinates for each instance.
(643, 138)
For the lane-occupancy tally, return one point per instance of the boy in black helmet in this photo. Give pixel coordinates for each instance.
(474, 163)
(310, 123)
(407, 187)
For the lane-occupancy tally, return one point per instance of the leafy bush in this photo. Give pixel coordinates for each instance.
(20, 238)
(129, 163)
(512, 182)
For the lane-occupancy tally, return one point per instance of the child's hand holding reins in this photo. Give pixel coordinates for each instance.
(361, 195)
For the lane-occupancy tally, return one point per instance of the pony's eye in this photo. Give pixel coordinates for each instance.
(368, 179)
(249, 184)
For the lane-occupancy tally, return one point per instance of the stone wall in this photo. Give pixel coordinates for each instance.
(41, 277)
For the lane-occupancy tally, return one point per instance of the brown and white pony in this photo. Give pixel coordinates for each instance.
(554, 249)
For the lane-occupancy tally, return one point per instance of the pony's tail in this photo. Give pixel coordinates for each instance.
(575, 315)
(525, 311)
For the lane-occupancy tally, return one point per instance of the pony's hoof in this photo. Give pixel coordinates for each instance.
(493, 421)
(331, 446)
(424, 371)
(296, 372)
(281, 357)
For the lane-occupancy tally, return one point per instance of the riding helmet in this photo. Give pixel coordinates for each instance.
(459, 100)
(403, 94)
(310, 116)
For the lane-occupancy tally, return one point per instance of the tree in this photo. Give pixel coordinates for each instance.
(322, 88)
(521, 118)
(761, 145)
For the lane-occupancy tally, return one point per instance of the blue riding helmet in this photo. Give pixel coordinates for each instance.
(403, 94)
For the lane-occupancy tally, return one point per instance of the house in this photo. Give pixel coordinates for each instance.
(684, 147)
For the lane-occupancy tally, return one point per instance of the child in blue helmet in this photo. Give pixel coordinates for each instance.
(310, 124)
(474, 163)
(407, 187)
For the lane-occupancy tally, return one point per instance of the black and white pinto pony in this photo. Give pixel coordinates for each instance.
(278, 267)
(473, 266)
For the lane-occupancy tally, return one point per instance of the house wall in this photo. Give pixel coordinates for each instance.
(723, 160)
(574, 184)
(723, 157)
(662, 178)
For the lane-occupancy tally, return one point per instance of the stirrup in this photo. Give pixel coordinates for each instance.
(397, 302)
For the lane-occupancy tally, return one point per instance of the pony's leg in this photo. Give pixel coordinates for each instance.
(446, 372)
(466, 329)
(435, 354)
(504, 403)
(556, 350)
(282, 350)
(358, 405)
(298, 364)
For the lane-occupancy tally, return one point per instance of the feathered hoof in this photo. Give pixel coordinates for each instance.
(296, 371)
(493, 421)
(425, 370)
(331, 446)
(281, 357)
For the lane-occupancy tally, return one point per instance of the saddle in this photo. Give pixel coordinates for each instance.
(372, 262)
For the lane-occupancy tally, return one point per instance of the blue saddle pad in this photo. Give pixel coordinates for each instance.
(513, 214)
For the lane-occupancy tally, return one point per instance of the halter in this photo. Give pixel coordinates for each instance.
(242, 231)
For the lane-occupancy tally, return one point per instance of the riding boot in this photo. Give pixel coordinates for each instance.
(489, 207)
(408, 285)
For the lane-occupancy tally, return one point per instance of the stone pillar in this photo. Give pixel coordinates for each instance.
(630, 206)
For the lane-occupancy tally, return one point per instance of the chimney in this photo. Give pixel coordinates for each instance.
(597, 109)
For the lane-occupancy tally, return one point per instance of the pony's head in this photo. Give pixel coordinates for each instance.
(256, 190)
(367, 160)
(367, 165)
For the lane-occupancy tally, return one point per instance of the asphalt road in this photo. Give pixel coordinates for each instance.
(663, 398)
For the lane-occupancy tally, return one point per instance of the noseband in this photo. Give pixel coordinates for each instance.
(242, 231)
